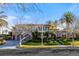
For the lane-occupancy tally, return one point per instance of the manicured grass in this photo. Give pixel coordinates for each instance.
(51, 42)
(65, 42)
(38, 42)
(31, 43)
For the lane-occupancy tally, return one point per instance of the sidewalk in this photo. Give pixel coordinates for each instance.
(44, 46)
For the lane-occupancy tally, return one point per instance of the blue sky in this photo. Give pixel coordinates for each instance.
(50, 11)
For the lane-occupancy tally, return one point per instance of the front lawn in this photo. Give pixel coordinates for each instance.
(48, 42)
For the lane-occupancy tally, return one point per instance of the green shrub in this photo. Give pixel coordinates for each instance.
(65, 42)
(2, 41)
(35, 40)
(36, 35)
(50, 42)
(6, 37)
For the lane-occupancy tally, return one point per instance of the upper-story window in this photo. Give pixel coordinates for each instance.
(39, 28)
(45, 28)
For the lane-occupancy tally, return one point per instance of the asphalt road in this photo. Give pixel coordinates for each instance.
(40, 52)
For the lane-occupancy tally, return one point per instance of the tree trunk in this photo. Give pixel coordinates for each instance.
(67, 28)
(42, 36)
(2, 30)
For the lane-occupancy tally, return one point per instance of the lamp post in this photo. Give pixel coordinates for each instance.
(42, 36)
(73, 38)
(20, 41)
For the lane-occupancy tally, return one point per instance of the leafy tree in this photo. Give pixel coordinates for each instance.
(68, 18)
(2, 24)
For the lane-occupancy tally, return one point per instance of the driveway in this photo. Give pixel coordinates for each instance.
(11, 44)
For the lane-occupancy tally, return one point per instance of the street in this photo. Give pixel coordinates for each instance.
(40, 52)
(9, 49)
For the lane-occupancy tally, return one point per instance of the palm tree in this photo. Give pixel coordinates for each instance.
(49, 22)
(68, 18)
(3, 23)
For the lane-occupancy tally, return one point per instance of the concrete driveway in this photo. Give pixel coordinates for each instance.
(11, 44)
